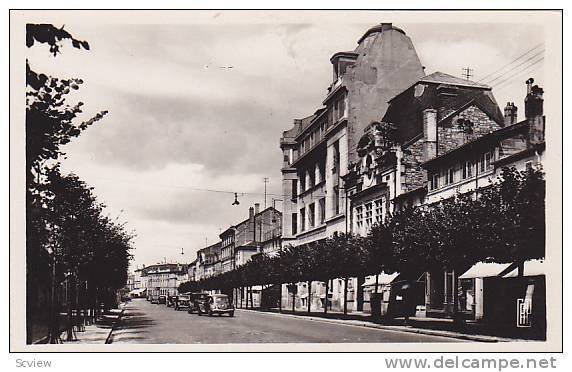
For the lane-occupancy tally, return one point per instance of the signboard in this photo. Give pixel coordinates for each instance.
(523, 312)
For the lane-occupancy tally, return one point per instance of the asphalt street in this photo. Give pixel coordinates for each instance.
(147, 323)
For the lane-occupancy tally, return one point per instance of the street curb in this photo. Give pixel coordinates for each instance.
(429, 332)
(109, 338)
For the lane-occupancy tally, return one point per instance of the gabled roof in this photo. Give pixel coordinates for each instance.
(443, 78)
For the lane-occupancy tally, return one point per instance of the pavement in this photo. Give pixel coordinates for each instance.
(146, 323)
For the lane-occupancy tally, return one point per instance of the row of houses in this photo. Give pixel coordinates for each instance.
(387, 135)
(260, 233)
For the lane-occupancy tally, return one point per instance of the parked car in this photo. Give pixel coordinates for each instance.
(216, 304)
(162, 300)
(183, 301)
(154, 299)
(171, 301)
(195, 300)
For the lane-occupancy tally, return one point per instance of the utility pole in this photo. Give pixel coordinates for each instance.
(467, 72)
(265, 182)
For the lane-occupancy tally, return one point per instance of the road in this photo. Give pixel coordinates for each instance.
(147, 323)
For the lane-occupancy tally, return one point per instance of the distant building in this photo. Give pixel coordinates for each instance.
(164, 279)
(260, 233)
(208, 262)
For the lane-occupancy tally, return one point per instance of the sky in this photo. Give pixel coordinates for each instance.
(201, 104)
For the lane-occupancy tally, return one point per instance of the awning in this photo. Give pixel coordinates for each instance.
(484, 270)
(382, 280)
(531, 268)
(256, 287)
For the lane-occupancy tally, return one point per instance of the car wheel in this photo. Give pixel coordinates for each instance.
(210, 313)
(231, 314)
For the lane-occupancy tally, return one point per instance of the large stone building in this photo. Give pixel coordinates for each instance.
(319, 148)
(441, 137)
(164, 279)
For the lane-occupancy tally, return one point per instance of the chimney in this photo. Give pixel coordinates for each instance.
(533, 109)
(533, 102)
(386, 27)
(256, 208)
(510, 114)
(251, 213)
(429, 134)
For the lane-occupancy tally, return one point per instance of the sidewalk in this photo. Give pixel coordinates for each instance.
(430, 326)
(98, 333)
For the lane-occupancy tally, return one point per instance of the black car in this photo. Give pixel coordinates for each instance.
(217, 304)
(162, 300)
(183, 301)
(171, 301)
(196, 299)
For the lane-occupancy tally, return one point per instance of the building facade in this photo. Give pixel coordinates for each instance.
(164, 279)
(319, 148)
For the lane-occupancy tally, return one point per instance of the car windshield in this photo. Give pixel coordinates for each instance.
(184, 297)
(221, 300)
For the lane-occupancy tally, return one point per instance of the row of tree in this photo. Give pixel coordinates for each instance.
(502, 223)
(77, 256)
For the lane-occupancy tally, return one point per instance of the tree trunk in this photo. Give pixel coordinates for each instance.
(309, 294)
(458, 318)
(376, 282)
(53, 331)
(69, 305)
(345, 296)
(280, 299)
(251, 299)
(326, 299)
(293, 299)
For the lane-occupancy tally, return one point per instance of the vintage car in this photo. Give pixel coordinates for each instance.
(183, 301)
(154, 299)
(171, 301)
(217, 304)
(162, 299)
(195, 300)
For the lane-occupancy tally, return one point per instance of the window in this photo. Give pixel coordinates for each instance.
(322, 204)
(467, 169)
(379, 211)
(302, 180)
(302, 219)
(359, 216)
(336, 200)
(435, 181)
(489, 160)
(449, 175)
(312, 178)
(311, 214)
(482, 163)
(368, 214)
(294, 189)
(294, 224)
(336, 158)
